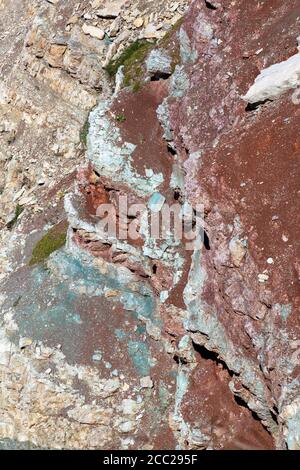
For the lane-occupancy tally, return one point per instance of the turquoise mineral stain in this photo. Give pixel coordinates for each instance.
(141, 330)
(53, 302)
(284, 310)
(120, 334)
(140, 356)
(156, 202)
(140, 304)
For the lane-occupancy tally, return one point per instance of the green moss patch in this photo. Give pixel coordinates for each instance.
(52, 241)
(18, 212)
(84, 132)
(132, 58)
(170, 42)
(165, 41)
(121, 118)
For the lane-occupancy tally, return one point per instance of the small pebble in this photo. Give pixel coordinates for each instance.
(262, 278)
(146, 382)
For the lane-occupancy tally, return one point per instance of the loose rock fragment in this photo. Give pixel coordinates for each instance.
(262, 278)
(150, 32)
(237, 251)
(93, 31)
(112, 10)
(275, 80)
(159, 63)
(146, 382)
(138, 22)
(25, 342)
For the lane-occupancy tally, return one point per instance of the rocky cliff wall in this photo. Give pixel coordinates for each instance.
(136, 342)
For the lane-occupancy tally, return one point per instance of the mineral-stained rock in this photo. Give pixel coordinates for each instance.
(93, 31)
(237, 250)
(159, 63)
(54, 56)
(126, 340)
(241, 172)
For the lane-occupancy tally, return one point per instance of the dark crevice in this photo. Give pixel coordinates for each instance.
(172, 151)
(206, 241)
(159, 76)
(242, 403)
(176, 195)
(187, 153)
(212, 356)
(254, 106)
(108, 189)
(134, 271)
(154, 268)
(274, 413)
(268, 305)
(179, 360)
(210, 6)
(255, 416)
(129, 217)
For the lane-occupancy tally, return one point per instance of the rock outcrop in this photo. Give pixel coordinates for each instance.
(126, 340)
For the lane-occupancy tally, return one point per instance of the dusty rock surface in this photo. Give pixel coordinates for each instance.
(52, 57)
(140, 343)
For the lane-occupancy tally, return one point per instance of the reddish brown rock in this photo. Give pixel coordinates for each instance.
(247, 175)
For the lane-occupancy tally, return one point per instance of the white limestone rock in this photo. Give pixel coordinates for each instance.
(146, 382)
(112, 10)
(93, 31)
(275, 80)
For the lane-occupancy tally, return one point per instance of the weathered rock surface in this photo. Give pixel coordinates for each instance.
(135, 342)
(247, 175)
(52, 56)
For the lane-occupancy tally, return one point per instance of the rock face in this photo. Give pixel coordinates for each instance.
(129, 340)
(52, 56)
(243, 293)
